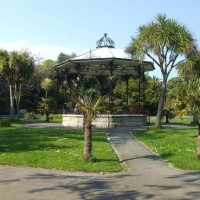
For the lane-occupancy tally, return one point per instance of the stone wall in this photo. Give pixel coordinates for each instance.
(106, 121)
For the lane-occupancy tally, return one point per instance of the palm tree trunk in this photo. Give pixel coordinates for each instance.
(161, 103)
(198, 142)
(87, 139)
(167, 118)
(11, 102)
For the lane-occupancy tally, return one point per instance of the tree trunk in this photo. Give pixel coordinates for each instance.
(161, 103)
(18, 98)
(167, 118)
(47, 116)
(11, 102)
(198, 141)
(87, 139)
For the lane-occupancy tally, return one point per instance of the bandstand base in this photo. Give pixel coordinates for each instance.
(107, 121)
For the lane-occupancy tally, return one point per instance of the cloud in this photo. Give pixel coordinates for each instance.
(43, 51)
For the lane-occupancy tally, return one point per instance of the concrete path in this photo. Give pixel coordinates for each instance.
(147, 177)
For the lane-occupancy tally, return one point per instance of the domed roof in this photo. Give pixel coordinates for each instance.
(103, 59)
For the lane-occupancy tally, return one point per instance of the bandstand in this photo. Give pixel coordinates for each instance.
(108, 61)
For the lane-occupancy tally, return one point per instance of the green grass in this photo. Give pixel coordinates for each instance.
(176, 146)
(55, 149)
(185, 121)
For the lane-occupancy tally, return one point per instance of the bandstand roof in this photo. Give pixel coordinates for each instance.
(104, 59)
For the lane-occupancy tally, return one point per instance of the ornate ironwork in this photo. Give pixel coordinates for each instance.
(105, 42)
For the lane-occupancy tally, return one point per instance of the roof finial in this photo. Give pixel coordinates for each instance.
(105, 42)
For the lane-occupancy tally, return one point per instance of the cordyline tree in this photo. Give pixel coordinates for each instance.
(47, 105)
(17, 67)
(90, 108)
(46, 84)
(167, 43)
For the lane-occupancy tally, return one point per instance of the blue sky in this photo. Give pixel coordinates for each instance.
(48, 27)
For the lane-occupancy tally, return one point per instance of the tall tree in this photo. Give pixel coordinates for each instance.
(17, 67)
(167, 43)
(25, 68)
(4, 63)
(46, 85)
(63, 57)
(46, 70)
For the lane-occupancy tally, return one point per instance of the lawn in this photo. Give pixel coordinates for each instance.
(176, 146)
(178, 120)
(55, 149)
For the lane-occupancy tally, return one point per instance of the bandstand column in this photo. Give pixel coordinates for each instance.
(111, 84)
(127, 94)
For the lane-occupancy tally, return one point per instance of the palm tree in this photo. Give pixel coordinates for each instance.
(17, 67)
(46, 84)
(47, 106)
(165, 41)
(90, 109)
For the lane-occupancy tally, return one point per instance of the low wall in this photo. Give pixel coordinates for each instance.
(106, 121)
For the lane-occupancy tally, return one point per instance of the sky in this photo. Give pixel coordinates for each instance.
(49, 27)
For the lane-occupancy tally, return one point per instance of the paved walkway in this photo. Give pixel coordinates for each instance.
(147, 177)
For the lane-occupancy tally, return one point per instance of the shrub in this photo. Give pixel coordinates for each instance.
(5, 122)
(56, 116)
(30, 115)
(22, 112)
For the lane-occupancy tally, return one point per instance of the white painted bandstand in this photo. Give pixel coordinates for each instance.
(105, 60)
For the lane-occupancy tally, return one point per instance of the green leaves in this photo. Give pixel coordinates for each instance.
(161, 37)
(4, 56)
(91, 108)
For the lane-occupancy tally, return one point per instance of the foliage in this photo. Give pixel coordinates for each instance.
(176, 146)
(5, 122)
(29, 99)
(54, 149)
(150, 92)
(4, 59)
(157, 39)
(17, 68)
(47, 106)
(45, 70)
(168, 113)
(63, 57)
(90, 108)
(176, 96)
(190, 73)
(30, 115)
(46, 85)
(120, 91)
